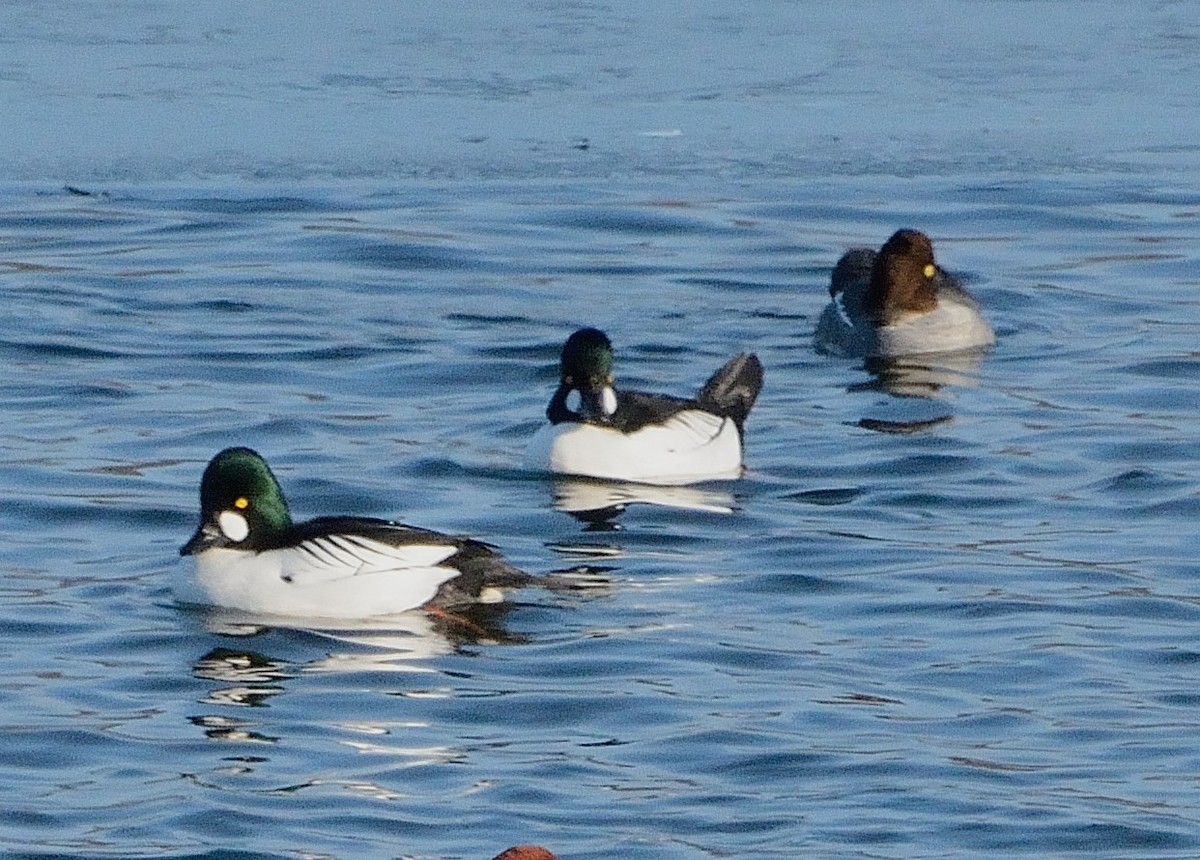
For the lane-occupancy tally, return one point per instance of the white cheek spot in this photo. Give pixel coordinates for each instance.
(233, 526)
(608, 400)
(574, 400)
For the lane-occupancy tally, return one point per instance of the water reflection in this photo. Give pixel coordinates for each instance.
(599, 503)
(903, 427)
(248, 678)
(371, 643)
(921, 385)
(228, 729)
(254, 678)
(923, 375)
(399, 643)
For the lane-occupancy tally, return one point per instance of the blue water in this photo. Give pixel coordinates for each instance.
(949, 612)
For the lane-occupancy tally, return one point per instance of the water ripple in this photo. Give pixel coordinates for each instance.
(935, 643)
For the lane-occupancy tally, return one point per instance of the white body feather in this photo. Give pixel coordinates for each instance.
(691, 446)
(952, 326)
(338, 576)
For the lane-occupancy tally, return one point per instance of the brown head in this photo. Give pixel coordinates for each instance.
(903, 279)
(525, 852)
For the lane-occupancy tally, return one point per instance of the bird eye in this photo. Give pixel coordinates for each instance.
(568, 379)
(241, 503)
(930, 269)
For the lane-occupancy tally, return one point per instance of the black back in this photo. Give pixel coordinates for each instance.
(479, 565)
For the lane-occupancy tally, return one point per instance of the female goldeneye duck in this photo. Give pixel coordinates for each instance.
(525, 852)
(599, 431)
(898, 302)
(250, 556)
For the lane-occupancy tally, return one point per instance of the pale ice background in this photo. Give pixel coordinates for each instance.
(144, 91)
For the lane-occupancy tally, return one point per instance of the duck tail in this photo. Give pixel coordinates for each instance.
(733, 389)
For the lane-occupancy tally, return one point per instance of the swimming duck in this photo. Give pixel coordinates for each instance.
(648, 438)
(898, 302)
(525, 852)
(250, 555)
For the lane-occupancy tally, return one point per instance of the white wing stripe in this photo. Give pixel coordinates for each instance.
(318, 552)
(703, 425)
(345, 555)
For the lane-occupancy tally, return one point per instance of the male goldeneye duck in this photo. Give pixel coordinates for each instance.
(633, 436)
(251, 556)
(898, 302)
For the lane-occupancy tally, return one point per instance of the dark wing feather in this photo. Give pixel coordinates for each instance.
(384, 531)
(732, 390)
(849, 282)
(636, 409)
(479, 567)
(852, 273)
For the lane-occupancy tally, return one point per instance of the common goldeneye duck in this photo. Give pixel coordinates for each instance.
(250, 555)
(599, 431)
(898, 302)
(525, 852)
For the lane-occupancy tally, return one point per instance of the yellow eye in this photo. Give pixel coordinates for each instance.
(929, 270)
(241, 502)
(568, 380)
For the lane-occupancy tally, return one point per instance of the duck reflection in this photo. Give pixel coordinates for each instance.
(921, 384)
(253, 677)
(371, 642)
(221, 728)
(599, 503)
(928, 376)
(250, 678)
(399, 643)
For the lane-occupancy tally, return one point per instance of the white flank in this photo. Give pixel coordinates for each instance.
(340, 576)
(691, 446)
(951, 327)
